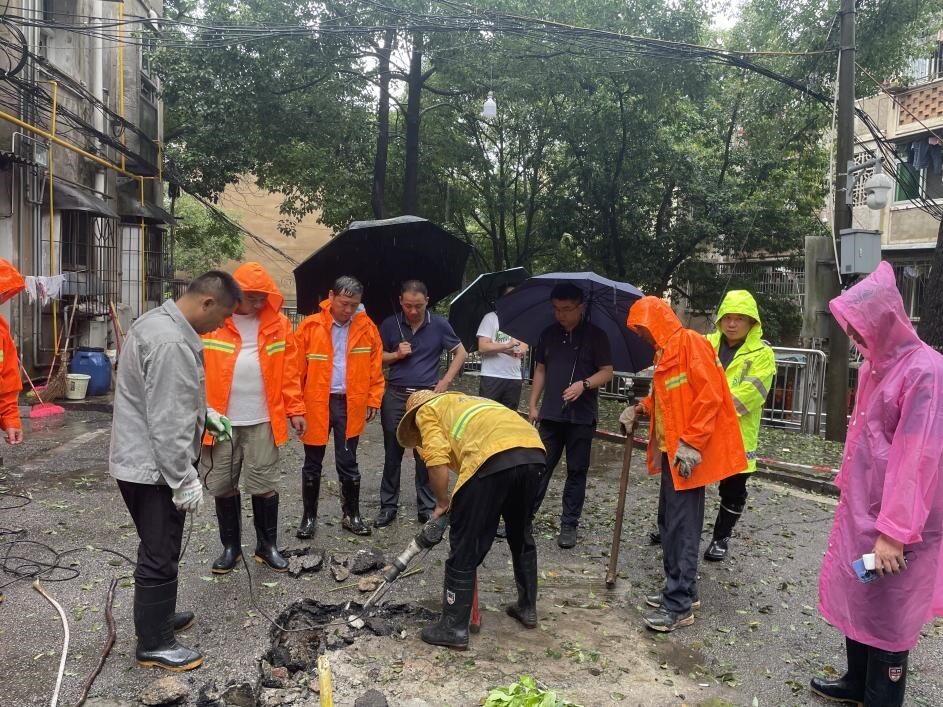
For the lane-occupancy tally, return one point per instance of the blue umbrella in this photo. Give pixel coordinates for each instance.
(526, 312)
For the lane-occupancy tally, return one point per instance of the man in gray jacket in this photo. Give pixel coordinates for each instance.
(159, 417)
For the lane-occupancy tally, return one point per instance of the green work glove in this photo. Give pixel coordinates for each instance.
(218, 426)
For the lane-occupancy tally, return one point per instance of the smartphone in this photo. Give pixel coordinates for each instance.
(866, 576)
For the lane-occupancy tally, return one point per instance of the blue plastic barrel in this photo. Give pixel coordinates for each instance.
(95, 363)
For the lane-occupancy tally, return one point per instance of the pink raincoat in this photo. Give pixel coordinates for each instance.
(890, 478)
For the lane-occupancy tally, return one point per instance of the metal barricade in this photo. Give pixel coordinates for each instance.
(796, 399)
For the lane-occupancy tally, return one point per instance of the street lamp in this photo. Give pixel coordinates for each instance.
(490, 109)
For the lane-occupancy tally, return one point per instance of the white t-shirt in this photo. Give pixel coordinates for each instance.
(497, 365)
(247, 402)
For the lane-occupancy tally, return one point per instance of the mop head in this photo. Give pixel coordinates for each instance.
(45, 410)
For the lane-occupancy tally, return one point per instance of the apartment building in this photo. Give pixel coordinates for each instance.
(80, 169)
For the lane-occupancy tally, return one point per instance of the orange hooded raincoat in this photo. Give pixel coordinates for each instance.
(11, 283)
(365, 382)
(694, 400)
(277, 356)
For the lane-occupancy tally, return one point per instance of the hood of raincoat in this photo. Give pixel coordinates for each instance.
(741, 302)
(11, 282)
(656, 315)
(252, 277)
(876, 311)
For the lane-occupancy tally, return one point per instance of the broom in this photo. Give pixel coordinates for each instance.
(57, 384)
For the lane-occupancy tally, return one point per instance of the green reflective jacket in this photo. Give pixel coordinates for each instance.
(750, 374)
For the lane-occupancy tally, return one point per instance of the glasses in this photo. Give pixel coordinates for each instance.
(566, 310)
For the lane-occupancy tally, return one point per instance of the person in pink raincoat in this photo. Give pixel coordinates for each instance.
(891, 498)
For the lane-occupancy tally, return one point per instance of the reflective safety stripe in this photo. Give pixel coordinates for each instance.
(316, 357)
(758, 384)
(740, 407)
(675, 381)
(1, 355)
(459, 427)
(217, 345)
(275, 347)
(362, 349)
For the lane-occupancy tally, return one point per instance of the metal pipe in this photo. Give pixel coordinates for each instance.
(52, 222)
(121, 78)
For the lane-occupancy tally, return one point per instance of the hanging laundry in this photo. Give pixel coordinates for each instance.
(43, 287)
(936, 159)
(920, 151)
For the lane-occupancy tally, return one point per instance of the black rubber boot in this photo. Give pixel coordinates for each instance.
(229, 516)
(350, 503)
(265, 518)
(887, 678)
(153, 620)
(726, 520)
(182, 620)
(850, 686)
(525, 575)
(451, 630)
(310, 491)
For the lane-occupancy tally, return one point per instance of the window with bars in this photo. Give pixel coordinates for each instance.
(913, 182)
(76, 243)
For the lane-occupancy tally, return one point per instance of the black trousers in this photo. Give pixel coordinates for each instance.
(733, 492)
(391, 412)
(577, 440)
(160, 529)
(345, 450)
(478, 506)
(506, 391)
(681, 518)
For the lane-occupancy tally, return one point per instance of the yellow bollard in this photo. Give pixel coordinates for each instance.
(324, 682)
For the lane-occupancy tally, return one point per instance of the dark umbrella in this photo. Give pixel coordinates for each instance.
(526, 312)
(382, 254)
(475, 301)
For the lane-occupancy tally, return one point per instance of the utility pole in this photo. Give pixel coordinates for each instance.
(836, 382)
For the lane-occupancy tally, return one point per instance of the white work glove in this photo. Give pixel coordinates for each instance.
(686, 458)
(218, 426)
(189, 496)
(628, 416)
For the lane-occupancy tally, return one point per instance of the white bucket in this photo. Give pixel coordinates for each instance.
(76, 385)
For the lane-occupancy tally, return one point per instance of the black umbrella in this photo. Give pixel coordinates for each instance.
(382, 254)
(476, 300)
(526, 312)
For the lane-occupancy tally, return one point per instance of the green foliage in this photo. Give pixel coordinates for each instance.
(203, 240)
(600, 157)
(525, 693)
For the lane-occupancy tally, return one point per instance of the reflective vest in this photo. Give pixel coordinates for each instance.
(464, 431)
(277, 356)
(11, 283)
(693, 398)
(750, 374)
(364, 373)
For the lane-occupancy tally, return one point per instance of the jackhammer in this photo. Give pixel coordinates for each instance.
(430, 536)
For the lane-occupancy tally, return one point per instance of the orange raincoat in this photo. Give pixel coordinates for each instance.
(693, 398)
(365, 381)
(11, 283)
(277, 356)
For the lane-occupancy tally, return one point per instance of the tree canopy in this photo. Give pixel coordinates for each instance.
(607, 153)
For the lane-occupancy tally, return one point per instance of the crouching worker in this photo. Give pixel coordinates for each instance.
(499, 459)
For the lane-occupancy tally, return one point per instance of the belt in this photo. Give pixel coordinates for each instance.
(410, 389)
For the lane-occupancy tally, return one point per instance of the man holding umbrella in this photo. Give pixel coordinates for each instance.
(573, 359)
(413, 340)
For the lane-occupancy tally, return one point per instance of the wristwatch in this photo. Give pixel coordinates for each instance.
(586, 384)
